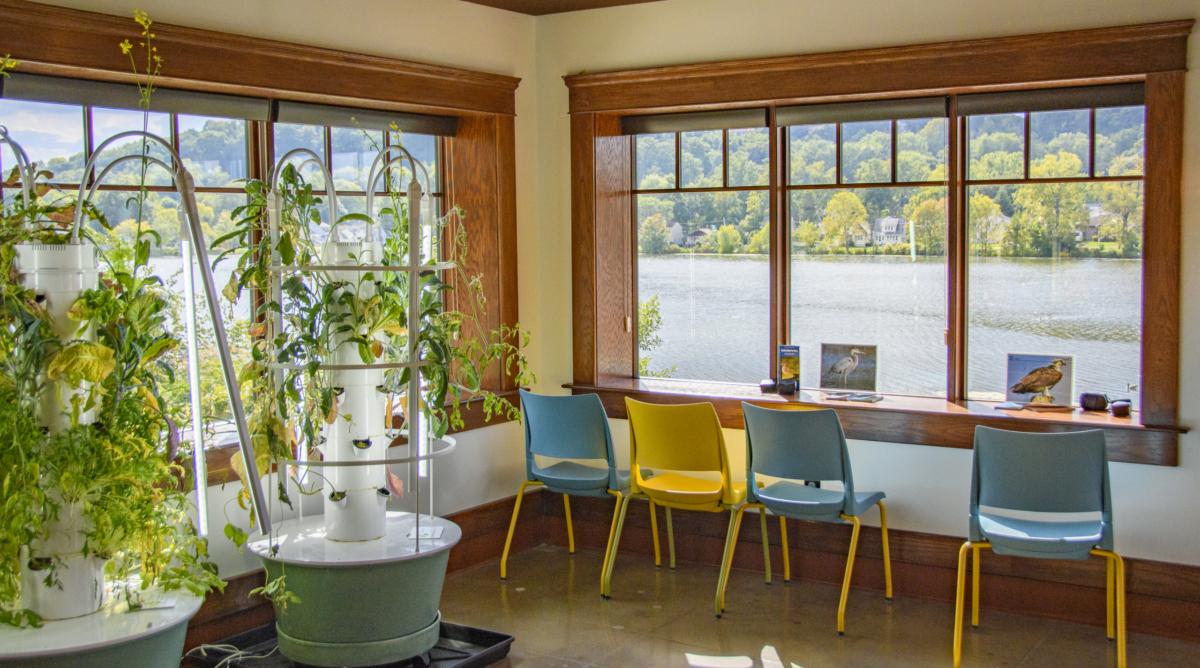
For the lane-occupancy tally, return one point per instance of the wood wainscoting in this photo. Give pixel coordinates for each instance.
(1163, 599)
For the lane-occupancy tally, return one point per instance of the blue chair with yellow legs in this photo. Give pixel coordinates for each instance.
(677, 440)
(1016, 475)
(796, 446)
(568, 428)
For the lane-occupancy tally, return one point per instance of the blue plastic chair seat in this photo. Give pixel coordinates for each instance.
(799, 501)
(1040, 539)
(575, 478)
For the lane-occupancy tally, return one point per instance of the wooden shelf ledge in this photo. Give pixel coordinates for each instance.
(901, 418)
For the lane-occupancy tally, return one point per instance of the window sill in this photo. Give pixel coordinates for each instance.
(902, 419)
(221, 472)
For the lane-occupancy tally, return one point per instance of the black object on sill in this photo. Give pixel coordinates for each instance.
(458, 647)
(1122, 408)
(786, 386)
(767, 386)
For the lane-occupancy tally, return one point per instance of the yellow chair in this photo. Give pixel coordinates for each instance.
(675, 439)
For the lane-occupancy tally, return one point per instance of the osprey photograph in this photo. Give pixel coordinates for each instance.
(1041, 379)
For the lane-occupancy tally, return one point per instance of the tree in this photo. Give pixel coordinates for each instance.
(760, 241)
(929, 219)
(1123, 204)
(1054, 209)
(984, 222)
(649, 322)
(728, 240)
(806, 235)
(654, 237)
(843, 215)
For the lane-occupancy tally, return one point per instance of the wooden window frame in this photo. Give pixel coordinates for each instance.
(604, 245)
(478, 169)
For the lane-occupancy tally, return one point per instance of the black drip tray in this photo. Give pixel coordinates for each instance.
(458, 647)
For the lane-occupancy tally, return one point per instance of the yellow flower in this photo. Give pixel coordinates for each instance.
(142, 19)
(126, 47)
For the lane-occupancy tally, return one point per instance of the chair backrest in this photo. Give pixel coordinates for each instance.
(679, 437)
(797, 445)
(1048, 473)
(567, 427)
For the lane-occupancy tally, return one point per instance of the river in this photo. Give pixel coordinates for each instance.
(715, 317)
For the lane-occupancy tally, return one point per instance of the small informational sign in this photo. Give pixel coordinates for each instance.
(789, 369)
(849, 367)
(1041, 379)
(433, 532)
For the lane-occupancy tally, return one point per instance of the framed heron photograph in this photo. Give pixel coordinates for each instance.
(1041, 379)
(846, 367)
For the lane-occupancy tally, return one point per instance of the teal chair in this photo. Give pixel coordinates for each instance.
(568, 428)
(796, 446)
(1040, 473)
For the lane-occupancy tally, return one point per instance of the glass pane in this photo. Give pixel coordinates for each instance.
(1063, 286)
(813, 155)
(51, 134)
(997, 146)
(921, 149)
(749, 157)
(655, 161)
(703, 286)
(857, 280)
(213, 149)
(1059, 143)
(312, 137)
(109, 122)
(701, 156)
(158, 212)
(1120, 141)
(424, 149)
(353, 152)
(867, 152)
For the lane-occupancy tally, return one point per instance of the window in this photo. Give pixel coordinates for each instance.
(1050, 208)
(702, 267)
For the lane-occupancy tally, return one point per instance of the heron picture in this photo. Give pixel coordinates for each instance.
(849, 367)
(1041, 379)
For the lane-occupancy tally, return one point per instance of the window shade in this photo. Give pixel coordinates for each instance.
(854, 112)
(367, 119)
(1053, 99)
(63, 90)
(731, 119)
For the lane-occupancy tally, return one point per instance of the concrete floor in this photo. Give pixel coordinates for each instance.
(551, 604)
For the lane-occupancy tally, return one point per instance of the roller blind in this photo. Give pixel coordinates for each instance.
(367, 119)
(1052, 99)
(63, 90)
(731, 119)
(870, 110)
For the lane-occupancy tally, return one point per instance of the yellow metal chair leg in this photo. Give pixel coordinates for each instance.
(975, 587)
(670, 538)
(1119, 576)
(1108, 596)
(612, 529)
(958, 602)
(762, 524)
(606, 584)
(512, 526)
(570, 529)
(849, 571)
(887, 553)
(735, 525)
(787, 567)
(654, 532)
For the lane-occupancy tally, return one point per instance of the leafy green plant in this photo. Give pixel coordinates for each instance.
(122, 469)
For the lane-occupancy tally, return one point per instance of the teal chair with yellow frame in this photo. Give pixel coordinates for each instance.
(795, 446)
(568, 428)
(677, 440)
(1015, 475)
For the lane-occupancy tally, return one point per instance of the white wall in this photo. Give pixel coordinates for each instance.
(927, 487)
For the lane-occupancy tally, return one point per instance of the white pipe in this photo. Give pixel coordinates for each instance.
(199, 467)
(23, 166)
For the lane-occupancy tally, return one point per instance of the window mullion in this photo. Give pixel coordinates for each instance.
(957, 250)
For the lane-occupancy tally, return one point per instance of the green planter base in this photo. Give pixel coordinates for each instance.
(361, 604)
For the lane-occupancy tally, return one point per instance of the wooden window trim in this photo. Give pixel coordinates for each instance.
(604, 250)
